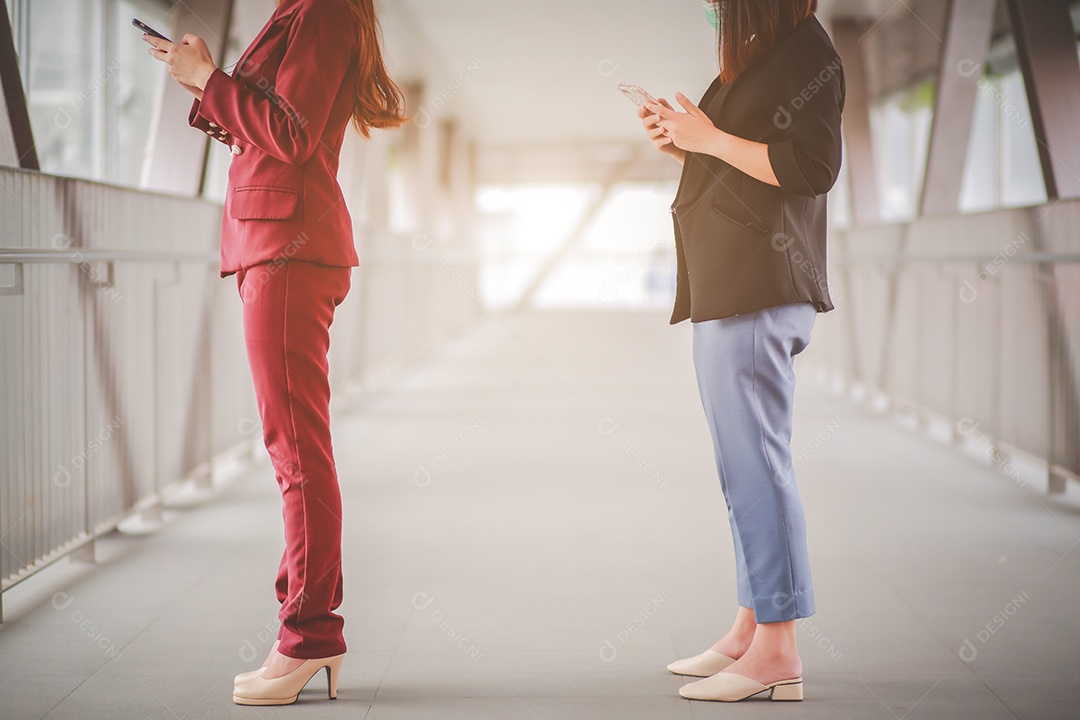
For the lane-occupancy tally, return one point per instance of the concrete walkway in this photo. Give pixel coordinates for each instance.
(534, 529)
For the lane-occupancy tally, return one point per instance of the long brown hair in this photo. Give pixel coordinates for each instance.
(765, 21)
(379, 101)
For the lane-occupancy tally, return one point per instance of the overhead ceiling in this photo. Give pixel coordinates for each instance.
(540, 73)
(543, 72)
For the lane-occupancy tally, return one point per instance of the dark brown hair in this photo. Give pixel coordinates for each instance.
(379, 101)
(766, 21)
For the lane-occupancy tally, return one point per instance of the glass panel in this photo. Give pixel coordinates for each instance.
(901, 132)
(1022, 181)
(1003, 168)
(63, 93)
(91, 88)
(979, 190)
(135, 86)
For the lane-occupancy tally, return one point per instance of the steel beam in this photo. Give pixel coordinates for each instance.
(1046, 49)
(969, 27)
(16, 136)
(865, 198)
(618, 175)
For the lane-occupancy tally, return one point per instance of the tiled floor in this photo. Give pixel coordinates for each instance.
(534, 530)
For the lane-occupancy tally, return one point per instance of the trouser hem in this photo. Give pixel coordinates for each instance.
(308, 654)
(782, 607)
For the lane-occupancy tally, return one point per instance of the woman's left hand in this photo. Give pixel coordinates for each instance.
(692, 131)
(190, 62)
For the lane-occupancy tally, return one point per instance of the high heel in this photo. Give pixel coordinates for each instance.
(285, 689)
(704, 665)
(249, 675)
(732, 687)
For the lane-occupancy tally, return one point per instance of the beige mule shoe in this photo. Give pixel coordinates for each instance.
(704, 665)
(285, 689)
(732, 687)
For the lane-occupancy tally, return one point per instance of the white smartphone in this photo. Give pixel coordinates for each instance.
(636, 93)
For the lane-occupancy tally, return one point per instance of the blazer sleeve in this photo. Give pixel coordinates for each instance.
(196, 120)
(287, 120)
(811, 91)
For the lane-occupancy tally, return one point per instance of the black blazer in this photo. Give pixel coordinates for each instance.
(743, 245)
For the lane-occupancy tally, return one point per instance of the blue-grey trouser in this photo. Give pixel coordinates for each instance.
(745, 372)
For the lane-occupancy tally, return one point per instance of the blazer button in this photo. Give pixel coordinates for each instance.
(211, 124)
(237, 150)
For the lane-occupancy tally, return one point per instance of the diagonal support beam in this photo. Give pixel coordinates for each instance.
(16, 136)
(865, 199)
(618, 174)
(969, 27)
(1046, 46)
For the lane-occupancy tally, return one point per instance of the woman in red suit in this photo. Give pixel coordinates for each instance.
(287, 236)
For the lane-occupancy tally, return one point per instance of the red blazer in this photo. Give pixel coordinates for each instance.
(284, 112)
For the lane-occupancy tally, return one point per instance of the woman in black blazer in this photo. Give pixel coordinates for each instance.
(759, 153)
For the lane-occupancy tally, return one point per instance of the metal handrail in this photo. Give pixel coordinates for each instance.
(30, 255)
(995, 352)
(1028, 258)
(124, 371)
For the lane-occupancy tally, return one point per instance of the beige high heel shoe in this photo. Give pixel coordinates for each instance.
(252, 674)
(704, 665)
(732, 687)
(285, 689)
(249, 675)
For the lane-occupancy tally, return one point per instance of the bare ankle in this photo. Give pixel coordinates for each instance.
(733, 644)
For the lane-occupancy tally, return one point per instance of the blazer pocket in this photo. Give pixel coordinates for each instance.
(741, 218)
(263, 203)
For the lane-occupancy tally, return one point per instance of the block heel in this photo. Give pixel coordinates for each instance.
(788, 691)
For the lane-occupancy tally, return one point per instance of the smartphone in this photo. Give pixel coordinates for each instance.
(635, 93)
(147, 29)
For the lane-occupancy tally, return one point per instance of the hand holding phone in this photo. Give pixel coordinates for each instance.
(636, 93)
(148, 30)
(657, 136)
(190, 62)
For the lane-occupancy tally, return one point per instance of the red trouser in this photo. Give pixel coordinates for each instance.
(288, 308)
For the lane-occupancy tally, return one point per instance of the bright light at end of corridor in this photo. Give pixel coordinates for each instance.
(623, 259)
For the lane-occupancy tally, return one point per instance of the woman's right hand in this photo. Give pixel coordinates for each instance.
(659, 140)
(198, 93)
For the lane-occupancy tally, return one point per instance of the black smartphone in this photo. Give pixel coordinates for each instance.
(147, 29)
